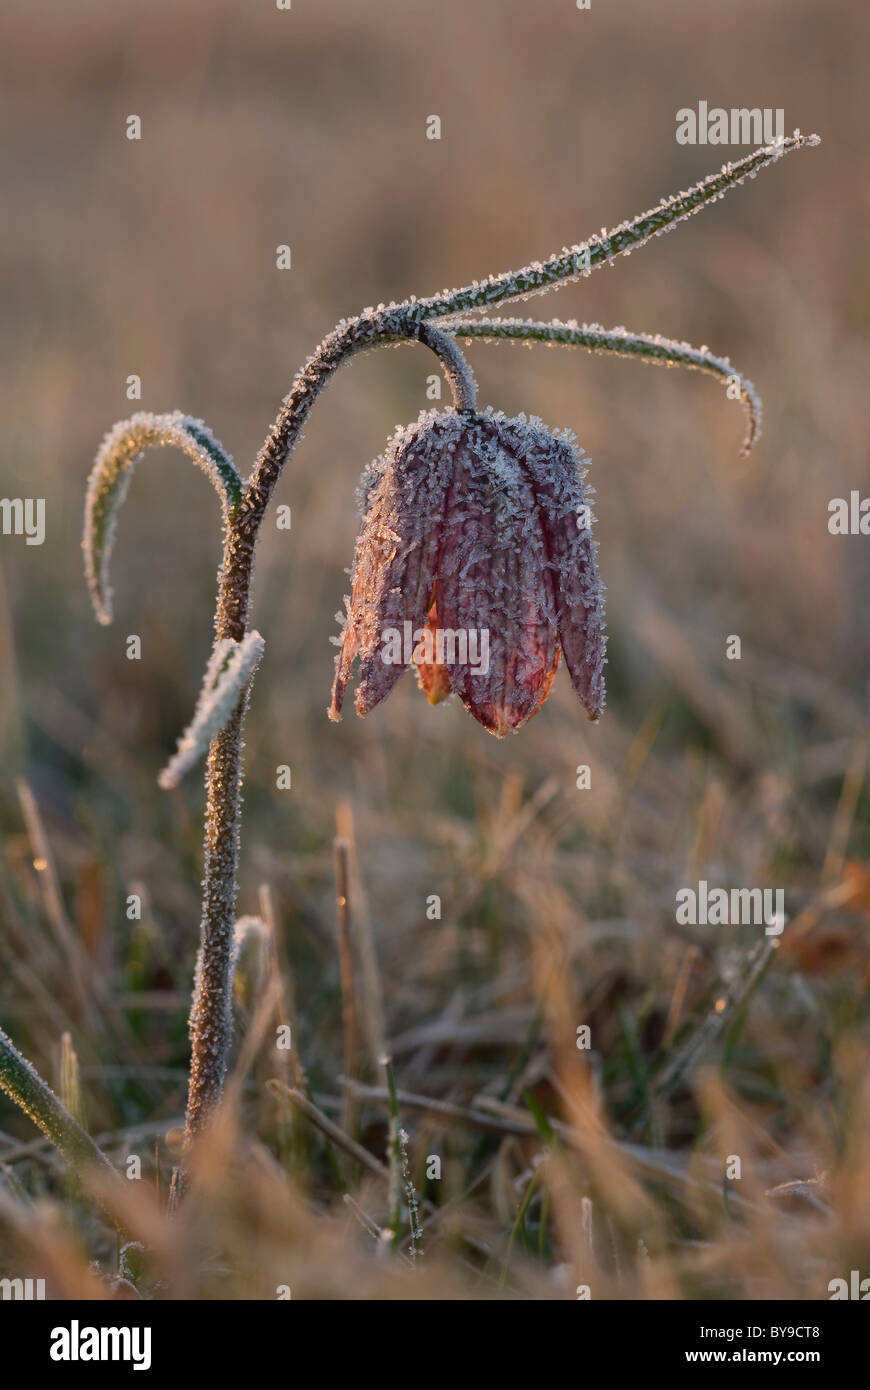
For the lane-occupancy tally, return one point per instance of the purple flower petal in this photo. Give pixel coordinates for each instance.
(556, 469)
(394, 564)
(494, 585)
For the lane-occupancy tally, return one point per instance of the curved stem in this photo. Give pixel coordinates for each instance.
(394, 323)
(376, 328)
(212, 1024)
(397, 321)
(456, 369)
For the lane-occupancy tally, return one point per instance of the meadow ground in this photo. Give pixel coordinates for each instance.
(610, 1167)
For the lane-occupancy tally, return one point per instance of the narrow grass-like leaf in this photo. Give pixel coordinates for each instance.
(110, 478)
(70, 1079)
(416, 1238)
(519, 1226)
(575, 261)
(394, 1155)
(23, 1084)
(729, 1003)
(400, 322)
(230, 667)
(653, 348)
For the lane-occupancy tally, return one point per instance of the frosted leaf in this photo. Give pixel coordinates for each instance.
(21, 1082)
(110, 478)
(652, 348)
(397, 323)
(229, 670)
(245, 929)
(575, 261)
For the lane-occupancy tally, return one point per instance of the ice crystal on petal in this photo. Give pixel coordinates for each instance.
(493, 576)
(557, 471)
(394, 563)
(471, 537)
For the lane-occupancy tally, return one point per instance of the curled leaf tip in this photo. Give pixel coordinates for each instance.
(110, 478)
(646, 347)
(227, 675)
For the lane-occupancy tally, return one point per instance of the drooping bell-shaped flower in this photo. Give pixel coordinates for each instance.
(475, 563)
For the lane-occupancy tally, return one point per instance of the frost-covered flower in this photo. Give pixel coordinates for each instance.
(475, 563)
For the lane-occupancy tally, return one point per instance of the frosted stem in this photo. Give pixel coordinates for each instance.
(395, 323)
(212, 1021)
(212, 1018)
(373, 328)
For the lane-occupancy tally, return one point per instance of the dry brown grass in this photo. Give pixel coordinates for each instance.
(558, 1168)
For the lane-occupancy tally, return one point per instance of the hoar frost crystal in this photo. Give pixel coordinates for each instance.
(476, 523)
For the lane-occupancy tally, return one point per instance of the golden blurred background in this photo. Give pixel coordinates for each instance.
(157, 257)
